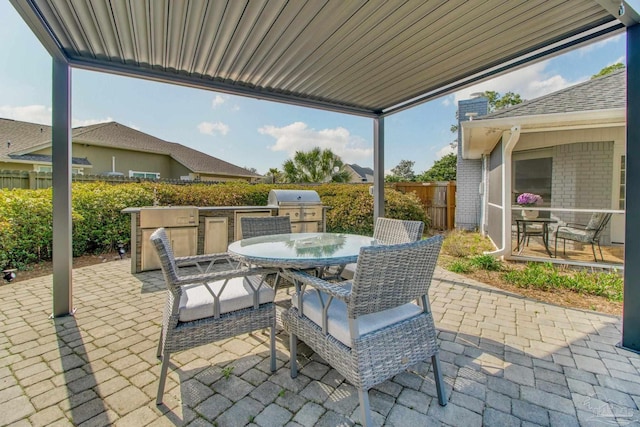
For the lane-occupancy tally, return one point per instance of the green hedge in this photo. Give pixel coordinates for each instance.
(99, 225)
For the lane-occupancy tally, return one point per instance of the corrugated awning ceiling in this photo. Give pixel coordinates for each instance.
(364, 57)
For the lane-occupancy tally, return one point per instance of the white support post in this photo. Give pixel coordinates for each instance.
(61, 165)
(378, 168)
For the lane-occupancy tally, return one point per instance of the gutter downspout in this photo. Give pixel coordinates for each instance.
(507, 149)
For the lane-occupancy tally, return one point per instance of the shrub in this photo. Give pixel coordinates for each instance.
(26, 219)
(99, 224)
(26, 226)
(352, 207)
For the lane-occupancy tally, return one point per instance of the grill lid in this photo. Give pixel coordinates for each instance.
(278, 197)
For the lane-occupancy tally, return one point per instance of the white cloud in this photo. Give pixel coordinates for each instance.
(530, 82)
(31, 113)
(447, 149)
(217, 101)
(299, 137)
(209, 128)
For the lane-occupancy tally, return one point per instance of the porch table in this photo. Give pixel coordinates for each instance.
(528, 231)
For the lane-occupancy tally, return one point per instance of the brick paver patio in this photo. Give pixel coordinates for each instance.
(507, 361)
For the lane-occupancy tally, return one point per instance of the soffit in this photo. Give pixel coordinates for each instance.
(362, 57)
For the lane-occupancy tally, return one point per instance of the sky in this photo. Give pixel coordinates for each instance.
(261, 134)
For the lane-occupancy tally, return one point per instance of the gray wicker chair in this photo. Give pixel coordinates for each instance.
(370, 329)
(390, 232)
(255, 226)
(589, 233)
(206, 307)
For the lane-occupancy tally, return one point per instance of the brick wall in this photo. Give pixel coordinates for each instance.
(582, 178)
(469, 172)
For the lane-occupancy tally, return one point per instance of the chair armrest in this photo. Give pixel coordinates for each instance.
(209, 259)
(331, 289)
(222, 275)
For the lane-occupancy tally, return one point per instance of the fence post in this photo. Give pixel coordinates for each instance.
(32, 180)
(451, 204)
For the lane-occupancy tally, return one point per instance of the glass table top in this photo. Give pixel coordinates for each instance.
(301, 249)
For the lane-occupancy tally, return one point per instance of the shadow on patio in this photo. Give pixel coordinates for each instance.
(507, 360)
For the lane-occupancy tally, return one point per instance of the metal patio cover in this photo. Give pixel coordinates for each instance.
(369, 58)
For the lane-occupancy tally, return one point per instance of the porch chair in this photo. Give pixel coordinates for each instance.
(371, 328)
(206, 307)
(590, 233)
(256, 226)
(389, 232)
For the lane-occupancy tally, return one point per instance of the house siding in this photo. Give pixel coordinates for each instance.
(469, 171)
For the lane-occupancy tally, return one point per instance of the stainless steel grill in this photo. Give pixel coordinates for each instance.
(303, 207)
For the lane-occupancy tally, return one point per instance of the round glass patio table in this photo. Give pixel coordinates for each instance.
(300, 250)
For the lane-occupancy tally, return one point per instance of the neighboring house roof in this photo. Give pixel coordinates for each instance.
(116, 135)
(28, 137)
(601, 93)
(361, 171)
(17, 136)
(599, 102)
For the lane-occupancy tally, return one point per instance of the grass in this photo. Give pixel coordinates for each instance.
(464, 255)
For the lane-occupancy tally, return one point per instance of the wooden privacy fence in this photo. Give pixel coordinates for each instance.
(438, 199)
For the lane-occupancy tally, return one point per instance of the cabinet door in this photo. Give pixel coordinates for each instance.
(149, 257)
(215, 235)
(184, 241)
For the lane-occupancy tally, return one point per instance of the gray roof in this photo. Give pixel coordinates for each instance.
(360, 57)
(116, 135)
(25, 137)
(362, 171)
(601, 93)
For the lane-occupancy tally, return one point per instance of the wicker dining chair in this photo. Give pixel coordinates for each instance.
(206, 307)
(255, 226)
(371, 328)
(389, 232)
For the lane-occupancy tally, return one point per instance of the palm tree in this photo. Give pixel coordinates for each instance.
(315, 166)
(275, 174)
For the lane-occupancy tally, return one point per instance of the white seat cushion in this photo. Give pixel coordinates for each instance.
(196, 301)
(338, 325)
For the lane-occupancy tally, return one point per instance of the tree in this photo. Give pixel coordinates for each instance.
(402, 172)
(275, 175)
(497, 101)
(442, 170)
(254, 170)
(608, 70)
(315, 166)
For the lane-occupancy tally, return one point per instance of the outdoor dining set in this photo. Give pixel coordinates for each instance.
(359, 302)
